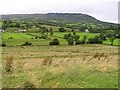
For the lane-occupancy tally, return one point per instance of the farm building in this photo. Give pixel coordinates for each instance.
(22, 30)
(1, 30)
(86, 30)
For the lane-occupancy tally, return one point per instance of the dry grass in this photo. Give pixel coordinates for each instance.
(40, 63)
(47, 61)
(9, 64)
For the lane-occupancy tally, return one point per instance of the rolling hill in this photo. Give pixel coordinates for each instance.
(61, 18)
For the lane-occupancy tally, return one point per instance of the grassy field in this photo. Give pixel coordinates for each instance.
(20, 38)
(84, 66)
(64, 66)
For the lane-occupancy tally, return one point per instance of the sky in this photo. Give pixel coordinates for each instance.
(104, 10)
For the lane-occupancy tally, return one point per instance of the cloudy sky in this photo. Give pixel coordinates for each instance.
(105, 10)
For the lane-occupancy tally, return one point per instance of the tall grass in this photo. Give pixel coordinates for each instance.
(9, 64)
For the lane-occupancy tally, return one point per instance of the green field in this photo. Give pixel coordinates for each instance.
(19, 38)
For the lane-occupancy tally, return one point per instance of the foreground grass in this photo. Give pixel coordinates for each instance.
(85, 66)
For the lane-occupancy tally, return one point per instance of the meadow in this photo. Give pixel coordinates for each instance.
(19, 38)
(63, 66)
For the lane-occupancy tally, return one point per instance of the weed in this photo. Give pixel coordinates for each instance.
(9, 64)
(47, 61)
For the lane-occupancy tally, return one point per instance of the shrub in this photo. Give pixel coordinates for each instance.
(76, 37)
(51, 33)
(78, 42)
(74, 33)
(102, 36)
(3, 45)
(91, 40)
(55, 41)
(36, 37)
(95, 40)
(61, 29)
(11, 38)
(72, 30)
(66, 36)
(26, 44)
(70, 41)
(117, 36)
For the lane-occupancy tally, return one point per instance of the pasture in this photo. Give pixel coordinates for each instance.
(19, 38)
(63, 66)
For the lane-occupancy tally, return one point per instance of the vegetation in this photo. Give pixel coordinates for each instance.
(26, 44)
(64, 51)
(55, 41)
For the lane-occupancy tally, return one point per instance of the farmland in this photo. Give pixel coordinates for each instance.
(19, 38)
(59, 50)
(63, 66)
(93, 66)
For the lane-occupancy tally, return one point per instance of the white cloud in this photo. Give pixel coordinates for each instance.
(101, 9)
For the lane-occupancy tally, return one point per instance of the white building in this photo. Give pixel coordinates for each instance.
(86, 30)
(22, 30)
(1, 30)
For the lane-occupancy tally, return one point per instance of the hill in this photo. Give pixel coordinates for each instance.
(59, 18)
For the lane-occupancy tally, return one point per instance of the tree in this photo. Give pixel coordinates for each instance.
(78, 42)
(95, 40)
(72, 30)
(112, 40)
(70, 41)
(51, 29)
(61, 29)
(74, 33)
(102, 36)
(76, 37)
(51, 33)
(55, 41)
(110, 34)
(85, 38)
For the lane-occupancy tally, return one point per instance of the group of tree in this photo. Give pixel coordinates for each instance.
(74, 38)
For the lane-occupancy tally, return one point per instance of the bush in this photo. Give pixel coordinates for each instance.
(36, 37)
(31, 37)
(72, 30)
(117, 36)
(55, 41)
(102, 36)
(11, 38)
(61, 29)
(74, 33)
(70, 41)
(3, 45)
(26, 44)
(76, 37)
(91, 40)
(95, 40)
(78, 42)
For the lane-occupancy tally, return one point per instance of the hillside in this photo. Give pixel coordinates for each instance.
(62, 18)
